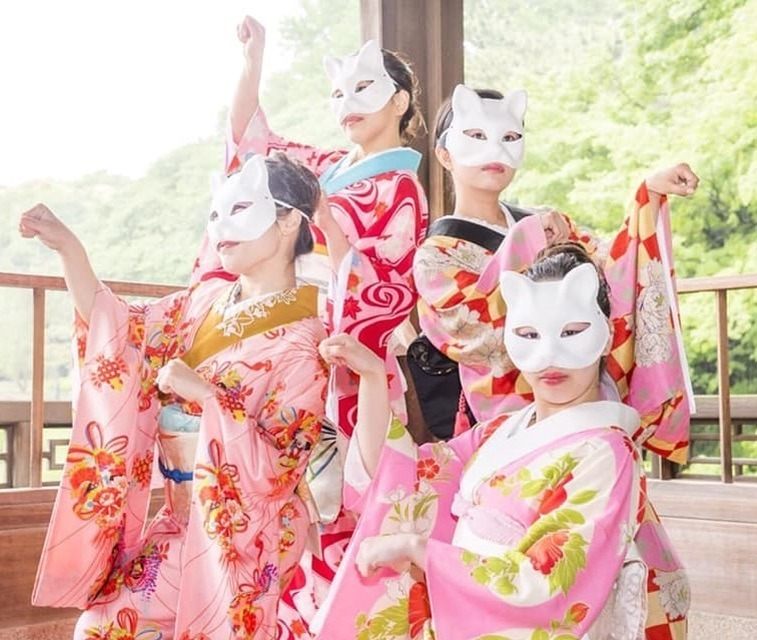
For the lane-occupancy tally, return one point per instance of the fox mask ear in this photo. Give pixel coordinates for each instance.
(517, 102)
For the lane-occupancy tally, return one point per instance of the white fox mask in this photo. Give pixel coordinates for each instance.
(494, 119)
(242, 208)
(367, 65)
(547, 308)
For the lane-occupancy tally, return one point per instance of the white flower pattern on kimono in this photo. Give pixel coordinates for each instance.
(397, 236)
(654, 330)
(396, 590)
(675, 595)
(488, 349)
(235, 323)
(431, 260)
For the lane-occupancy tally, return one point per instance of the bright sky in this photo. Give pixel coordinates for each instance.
(90, 85)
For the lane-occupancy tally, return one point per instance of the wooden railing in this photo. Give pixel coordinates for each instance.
(25, 445)
(23, 424)
(747, 405)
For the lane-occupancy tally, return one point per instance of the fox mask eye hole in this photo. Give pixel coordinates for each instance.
(512, 136)
(213, 216)
(529, 333)
(363, 84)
(336, 93)
(240, 206)
(573, 329)
(476, 134)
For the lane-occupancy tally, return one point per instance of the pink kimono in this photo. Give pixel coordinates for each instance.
(214, 561)
(538, 532)
(462, 313)
(381, 208)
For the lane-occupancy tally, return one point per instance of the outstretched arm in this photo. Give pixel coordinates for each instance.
(39, 222)
(373, 408)
(679, 180)
(246, 97)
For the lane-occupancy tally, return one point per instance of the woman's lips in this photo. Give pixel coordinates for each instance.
(553, 378)
(494, 167)
(226, 244)
(351, 120)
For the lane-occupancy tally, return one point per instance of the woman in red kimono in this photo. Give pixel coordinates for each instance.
(372, 220)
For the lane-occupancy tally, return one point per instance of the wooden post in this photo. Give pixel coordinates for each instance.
(430, 34)
(724, 388)
(38, 389)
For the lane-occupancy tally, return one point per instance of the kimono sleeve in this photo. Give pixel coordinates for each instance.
(374, 290)
(412, 490)
(461, 309)
(266, 427)
(558, 573)
(259, 139)
(648, 361)
(103, 497)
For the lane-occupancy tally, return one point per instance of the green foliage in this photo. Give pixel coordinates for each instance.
(616, 90)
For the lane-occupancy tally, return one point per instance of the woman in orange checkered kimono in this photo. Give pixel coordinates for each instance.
(225, 378)
(462, 311)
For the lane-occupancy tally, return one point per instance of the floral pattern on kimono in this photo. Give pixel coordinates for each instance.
(384, 219)
(462, 313)
(217, 571)
(533, 551)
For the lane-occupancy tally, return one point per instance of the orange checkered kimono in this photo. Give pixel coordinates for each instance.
(214, 561)
(462, 313)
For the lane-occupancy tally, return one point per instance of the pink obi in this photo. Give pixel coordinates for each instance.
(486, 523)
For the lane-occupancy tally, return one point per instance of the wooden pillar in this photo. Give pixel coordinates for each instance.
(430, 34)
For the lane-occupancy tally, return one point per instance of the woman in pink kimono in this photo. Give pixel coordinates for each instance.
(530, 526)
(226, 379)
(480, 140)
(372, 220)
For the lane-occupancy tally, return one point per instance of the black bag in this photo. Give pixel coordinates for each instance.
(435, 376)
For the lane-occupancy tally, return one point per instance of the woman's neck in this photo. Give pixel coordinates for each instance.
(386, 140)
(481, 205)
(545, 409)
(267, 278)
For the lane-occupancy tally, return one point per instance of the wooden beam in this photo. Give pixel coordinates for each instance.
(38, 389)
(724, 388)
(430, 34)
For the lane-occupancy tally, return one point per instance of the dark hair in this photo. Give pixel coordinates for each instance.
(444, 114)
(293, 183)
(399, 70)
(557, 260)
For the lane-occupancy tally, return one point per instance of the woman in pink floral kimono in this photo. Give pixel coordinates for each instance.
(226, 379)
(532, 526)
(372, 220)
(480, 141)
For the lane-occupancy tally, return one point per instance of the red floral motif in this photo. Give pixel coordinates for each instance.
(109, 371)
(245, 616)
(298, 628)
(577, 613)
(351, 308)
(554, 497)
(136, 335)
(141, 469)
(419, 608)
(125, 627)
(545, 553)
(221, 501)
(353, 281)
(97, 476)
(428, 468)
